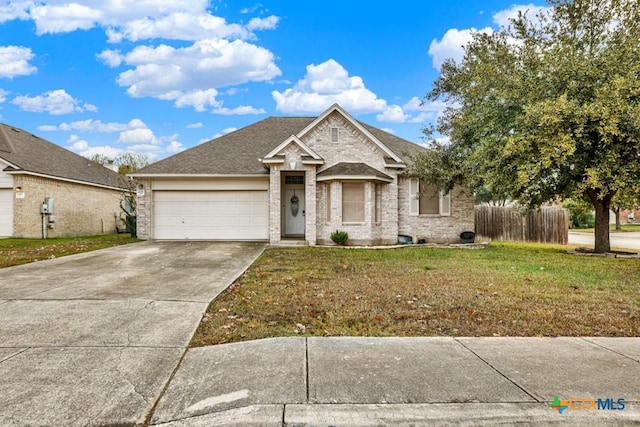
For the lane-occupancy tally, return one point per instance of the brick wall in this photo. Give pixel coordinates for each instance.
(436, 228)
(79, 210)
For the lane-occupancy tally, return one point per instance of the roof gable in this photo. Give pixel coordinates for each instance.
(335, 108)
(27, 153)
(293, 140)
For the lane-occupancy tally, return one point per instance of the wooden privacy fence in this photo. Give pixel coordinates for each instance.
(548, 224)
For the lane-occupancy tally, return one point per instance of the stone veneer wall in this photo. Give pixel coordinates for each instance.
(79, 209)
(436, 228)
(143, 210)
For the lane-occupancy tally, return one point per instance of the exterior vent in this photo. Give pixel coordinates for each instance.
(335, 135)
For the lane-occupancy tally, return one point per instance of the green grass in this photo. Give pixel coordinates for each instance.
(506, 290)
(612, 228)
(23, 251)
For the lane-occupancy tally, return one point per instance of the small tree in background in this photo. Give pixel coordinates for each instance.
(126, 163)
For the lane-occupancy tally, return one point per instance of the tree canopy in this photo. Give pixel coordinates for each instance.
(547, 107)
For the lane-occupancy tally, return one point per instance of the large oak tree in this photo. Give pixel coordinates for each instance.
(545, 108)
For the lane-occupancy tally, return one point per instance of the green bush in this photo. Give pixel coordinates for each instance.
(339, 237)
(580, 213)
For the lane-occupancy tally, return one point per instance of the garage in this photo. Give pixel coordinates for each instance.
(211, 215)
(6, 212)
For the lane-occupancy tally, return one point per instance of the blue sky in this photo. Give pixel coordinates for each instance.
(160, 76)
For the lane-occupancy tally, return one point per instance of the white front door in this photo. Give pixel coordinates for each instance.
(294, 212)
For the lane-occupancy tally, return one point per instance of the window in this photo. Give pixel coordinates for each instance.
(427, 200)
(335, 135)
(352, 202)
(294, 179)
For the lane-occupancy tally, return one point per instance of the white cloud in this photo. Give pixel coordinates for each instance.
(91, 125)
(77, 143)
(452, 45)
(268, 23)
(238, 111)
(323, 85)
(174, 147)
(198, 99)
(14, 10)
(137, 136)
(195, 125)
(134, 19)
(389, 130)
(180, 26)
(189, 75)
(113, 58)
(55, 102)
(3, 95)
(145, 148)
(424, 111)
(504, 17)
(394, 114)
(105, 150)
(14, 61)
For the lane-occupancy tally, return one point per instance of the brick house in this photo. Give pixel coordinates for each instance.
(297, 178)
(85, 196)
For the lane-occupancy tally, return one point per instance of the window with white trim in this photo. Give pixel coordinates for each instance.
(353, 202)
(425, 199)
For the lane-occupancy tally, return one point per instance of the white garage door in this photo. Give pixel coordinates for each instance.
(210, 215)
(6, 212)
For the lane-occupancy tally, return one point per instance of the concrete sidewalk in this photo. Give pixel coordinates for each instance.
(405, 381)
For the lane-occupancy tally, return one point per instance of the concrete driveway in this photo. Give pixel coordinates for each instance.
(93, 339)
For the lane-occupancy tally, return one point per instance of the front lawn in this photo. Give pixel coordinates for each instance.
(506, 290)
(23, 251)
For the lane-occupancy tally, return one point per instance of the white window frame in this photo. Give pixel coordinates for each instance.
(444, 205)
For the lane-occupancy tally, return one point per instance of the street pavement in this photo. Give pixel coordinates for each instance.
(100, 339)
(624, 240)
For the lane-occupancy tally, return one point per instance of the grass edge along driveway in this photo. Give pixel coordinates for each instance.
(17, 251)
(508, 289)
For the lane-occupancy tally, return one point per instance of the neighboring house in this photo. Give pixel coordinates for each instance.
(85, 196)
(297, 178)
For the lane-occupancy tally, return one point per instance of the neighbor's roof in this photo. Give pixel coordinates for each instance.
(239, 152)
(27, 153)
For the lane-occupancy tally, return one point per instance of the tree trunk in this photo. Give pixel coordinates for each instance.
(601, 206)
(618, 225)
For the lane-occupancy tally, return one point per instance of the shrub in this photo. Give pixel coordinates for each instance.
(339, 237)
(580, 213)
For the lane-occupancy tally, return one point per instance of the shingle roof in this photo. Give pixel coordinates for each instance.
(29, 153)
(239, 152)
(353, 169)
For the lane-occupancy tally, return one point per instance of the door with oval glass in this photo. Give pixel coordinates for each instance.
(294, 212)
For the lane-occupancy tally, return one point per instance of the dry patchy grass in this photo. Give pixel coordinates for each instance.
(506, 290)
(23, 251)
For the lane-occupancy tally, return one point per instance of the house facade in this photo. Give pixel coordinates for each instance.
(297, 178)
(83, 197)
